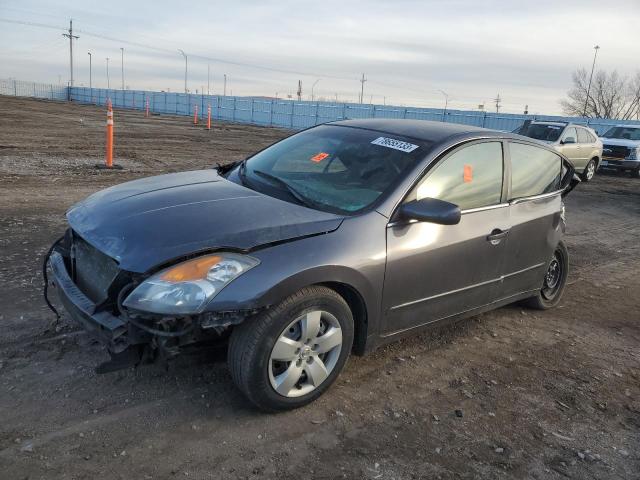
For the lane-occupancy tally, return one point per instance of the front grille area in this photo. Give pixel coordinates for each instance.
(615, 152)
(93, 271)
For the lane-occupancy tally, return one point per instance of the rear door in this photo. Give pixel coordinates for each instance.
(535, 213)
(587, 144)
(437, 271)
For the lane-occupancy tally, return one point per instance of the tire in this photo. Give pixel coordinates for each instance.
(589, 170)
(252, 349)
(635, 173)
(548, 297)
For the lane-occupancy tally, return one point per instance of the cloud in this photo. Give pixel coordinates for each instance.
(408, 49)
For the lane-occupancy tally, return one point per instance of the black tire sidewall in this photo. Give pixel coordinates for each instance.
(260, 391)
(564, 258)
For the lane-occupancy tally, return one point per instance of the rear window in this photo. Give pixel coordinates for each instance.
(547, 133)
(534, 171)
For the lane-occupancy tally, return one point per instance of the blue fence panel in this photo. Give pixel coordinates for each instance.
(285, 113)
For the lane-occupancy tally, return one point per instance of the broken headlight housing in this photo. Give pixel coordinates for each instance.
(186, 288)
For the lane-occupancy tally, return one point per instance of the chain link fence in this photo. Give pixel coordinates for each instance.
(20, 88)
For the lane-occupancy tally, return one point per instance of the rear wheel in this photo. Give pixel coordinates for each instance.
(290, 354)
(635, 173)
(590, 170)
(555, 281)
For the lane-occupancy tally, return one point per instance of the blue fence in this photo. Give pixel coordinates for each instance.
(277, 112)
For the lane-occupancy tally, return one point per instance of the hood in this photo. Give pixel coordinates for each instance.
(624, 142)
(151, 221)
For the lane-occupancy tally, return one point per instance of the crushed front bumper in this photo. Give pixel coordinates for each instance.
(102, 326)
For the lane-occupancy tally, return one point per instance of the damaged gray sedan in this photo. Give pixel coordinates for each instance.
(335, 240)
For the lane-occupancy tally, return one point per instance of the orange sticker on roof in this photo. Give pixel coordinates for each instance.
(319, 157)
(468, 174)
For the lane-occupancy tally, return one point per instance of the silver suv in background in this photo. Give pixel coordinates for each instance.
(579, 144)
(621, 149)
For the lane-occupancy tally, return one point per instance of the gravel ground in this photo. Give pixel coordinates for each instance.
(539, 395)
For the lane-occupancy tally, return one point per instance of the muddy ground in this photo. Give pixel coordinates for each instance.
(551, 394)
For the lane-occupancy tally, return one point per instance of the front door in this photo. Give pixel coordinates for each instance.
(437, 271)
(572, 149)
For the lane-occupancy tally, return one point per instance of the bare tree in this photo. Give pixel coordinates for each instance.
(610, 96)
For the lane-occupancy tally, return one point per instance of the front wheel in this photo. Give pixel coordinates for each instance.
(555, 281)
(290, 354)
(590, 170)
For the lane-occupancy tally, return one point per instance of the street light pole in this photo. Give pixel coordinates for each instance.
(312, 87)
(586, 100)
(185, 69)
(446, 104)
(90, 83)
(108, 82)
(122, 64)
(224, 94)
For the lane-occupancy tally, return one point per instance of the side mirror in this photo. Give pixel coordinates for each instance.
(431, 210)
(569, 180)
(568, 140)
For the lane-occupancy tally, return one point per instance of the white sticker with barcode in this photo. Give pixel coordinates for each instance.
(395, 144)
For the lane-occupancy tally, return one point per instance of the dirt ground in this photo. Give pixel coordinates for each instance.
(551, 394)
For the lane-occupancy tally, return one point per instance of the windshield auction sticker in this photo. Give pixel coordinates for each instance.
(395, 144)
(319, 157)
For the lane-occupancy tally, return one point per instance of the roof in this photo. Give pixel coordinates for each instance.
(550, 122)
(419, 129)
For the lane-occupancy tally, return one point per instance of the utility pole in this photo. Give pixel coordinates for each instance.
(299, 90)
(208, 78)
(108, 82)
(586, 100)
(71, 37)
(185, 69)
(122, 64)
(362, 80)
(224, 91)
(498, 100)
(90, 84)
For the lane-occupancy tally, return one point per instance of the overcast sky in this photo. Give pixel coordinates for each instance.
(408, 50)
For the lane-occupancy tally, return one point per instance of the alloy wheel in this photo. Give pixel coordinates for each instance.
(591, 170)
(305, 353)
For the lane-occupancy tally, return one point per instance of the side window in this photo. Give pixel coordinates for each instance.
(470, 177)
(570, 133)
(534, 170)
(584, 136)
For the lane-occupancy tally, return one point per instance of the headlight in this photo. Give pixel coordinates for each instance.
(634, 154)
(186, 288)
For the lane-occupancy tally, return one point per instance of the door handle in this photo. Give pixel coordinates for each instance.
(496, 236)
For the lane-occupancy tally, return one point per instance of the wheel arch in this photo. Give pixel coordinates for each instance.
(358, 309)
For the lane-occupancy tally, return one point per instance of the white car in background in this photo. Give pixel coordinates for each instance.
(621, 149)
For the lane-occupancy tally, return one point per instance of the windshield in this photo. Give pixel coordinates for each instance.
(333, 168)
(627, 133)
(548, 133)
